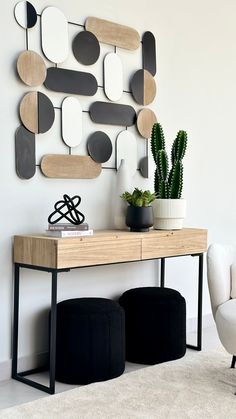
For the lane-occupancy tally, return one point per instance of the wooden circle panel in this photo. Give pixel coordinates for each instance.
(25, 14)
(31, 68)
(71, 121)
(37, 112)
(145, 121)
(86, 48)
(113, 76)
(54, 33)
(126, 148)
(99, 147)
(143, 87)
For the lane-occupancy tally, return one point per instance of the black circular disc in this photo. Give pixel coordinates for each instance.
(25, 14)
(86, 48)
(99, 147)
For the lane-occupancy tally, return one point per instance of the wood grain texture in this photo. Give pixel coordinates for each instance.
(31, 68)
(174, 243)
(149, 88)
(146, 119)
(29, 112)
(112, 33)
(69, 167)
(104, 247)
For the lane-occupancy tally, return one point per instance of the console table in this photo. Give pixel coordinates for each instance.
(55, 255)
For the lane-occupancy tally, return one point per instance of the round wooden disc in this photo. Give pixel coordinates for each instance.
(146, 119)
(25, 14)
(86, 48)
(37, 112)
(99, 147)
(31, 68)
(143, 87)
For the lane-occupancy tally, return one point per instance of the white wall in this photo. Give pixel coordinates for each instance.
(196, 80)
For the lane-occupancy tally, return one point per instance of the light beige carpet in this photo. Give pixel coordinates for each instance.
(200, 385)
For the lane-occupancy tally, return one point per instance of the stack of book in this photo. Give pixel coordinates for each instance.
(68, 230)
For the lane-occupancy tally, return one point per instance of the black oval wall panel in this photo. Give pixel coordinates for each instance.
(149, 52)
(25, 153)
(70, 81)
(112, 113)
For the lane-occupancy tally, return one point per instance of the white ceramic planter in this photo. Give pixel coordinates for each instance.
(169, 214)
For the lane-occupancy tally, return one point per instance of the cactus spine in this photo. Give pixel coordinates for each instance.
(168, 184)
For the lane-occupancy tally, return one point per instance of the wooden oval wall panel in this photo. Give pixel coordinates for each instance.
(31, 68)
(71, 121)
(70, 81)
(25, 153)
(69, 167)
(149, 52)
(54, 32)
(112, 114)
(113, 34)
(113, 76)
(126, 148)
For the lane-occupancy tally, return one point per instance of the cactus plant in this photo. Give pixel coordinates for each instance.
(168, 184)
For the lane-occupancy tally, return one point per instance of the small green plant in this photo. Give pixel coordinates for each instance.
(139, 198)
(168, 184)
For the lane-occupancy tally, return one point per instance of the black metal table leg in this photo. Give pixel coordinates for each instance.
(53, 325)
(52, 351)
(15, 320)
(198, 347)
(162, 283)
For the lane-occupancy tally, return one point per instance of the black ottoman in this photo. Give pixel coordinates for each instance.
(90, 342)
(155, 321)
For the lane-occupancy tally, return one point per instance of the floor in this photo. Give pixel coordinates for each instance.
(13, 392)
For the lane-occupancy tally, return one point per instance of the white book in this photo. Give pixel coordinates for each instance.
(69, 233)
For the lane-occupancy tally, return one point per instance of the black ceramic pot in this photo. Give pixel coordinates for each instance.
(139, 218)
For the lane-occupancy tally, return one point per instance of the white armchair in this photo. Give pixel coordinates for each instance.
(221, 274)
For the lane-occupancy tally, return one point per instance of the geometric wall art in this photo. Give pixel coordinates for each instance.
(25, 14)
(54, 32)
(113, 76)
(25, 153)
(71, 118)
(37, 111)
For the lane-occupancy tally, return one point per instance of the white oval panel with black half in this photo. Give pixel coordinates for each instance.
(71, 121)
(54, 30)
(113, 76)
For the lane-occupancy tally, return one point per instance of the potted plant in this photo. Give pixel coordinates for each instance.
(139, 215)
(169, 209)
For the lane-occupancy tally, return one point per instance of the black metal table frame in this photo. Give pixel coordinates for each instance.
(21, 376)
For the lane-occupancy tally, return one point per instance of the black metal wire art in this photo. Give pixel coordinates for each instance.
(66, 208)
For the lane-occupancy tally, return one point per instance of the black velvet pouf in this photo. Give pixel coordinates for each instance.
(90, 340)
(155, 321)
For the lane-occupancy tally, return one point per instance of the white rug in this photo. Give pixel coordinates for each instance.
(200, 385)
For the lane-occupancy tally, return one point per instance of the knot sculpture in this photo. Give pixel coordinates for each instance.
(67, 209)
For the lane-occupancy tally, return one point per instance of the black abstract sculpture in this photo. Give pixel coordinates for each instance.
(67, 209)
